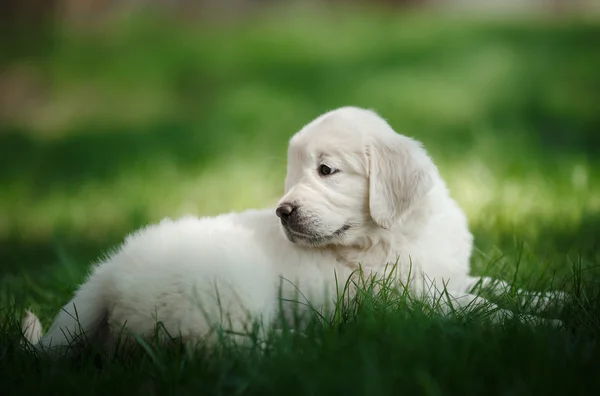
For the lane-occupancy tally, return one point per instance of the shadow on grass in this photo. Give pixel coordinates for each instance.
(101, 152)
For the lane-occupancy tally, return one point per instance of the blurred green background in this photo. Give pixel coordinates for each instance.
(111, 123)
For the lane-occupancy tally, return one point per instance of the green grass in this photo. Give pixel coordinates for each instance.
(148, 119)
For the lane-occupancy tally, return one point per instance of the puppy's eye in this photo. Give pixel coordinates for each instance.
(325, 170)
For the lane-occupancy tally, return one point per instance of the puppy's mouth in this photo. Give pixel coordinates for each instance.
(311, 238)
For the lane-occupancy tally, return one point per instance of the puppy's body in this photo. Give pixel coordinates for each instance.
(356, 195)
(193, 275)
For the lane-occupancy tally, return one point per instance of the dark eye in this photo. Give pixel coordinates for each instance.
(326, 170)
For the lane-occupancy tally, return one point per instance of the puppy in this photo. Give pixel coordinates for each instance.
(357, 195)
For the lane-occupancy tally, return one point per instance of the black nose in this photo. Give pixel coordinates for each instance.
(285, 210)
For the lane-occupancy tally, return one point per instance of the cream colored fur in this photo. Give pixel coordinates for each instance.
(384, 202)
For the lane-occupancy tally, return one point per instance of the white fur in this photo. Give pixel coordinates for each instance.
(385, 203)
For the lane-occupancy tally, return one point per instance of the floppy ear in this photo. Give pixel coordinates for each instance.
(400, 174)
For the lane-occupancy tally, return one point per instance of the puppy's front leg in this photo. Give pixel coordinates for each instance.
(534, 300)
(465, 303)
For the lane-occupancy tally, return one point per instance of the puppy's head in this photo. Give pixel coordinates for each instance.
(349, 174)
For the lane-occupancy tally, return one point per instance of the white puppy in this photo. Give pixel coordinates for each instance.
(356, 194)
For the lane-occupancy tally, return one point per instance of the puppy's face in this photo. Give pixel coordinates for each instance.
(348, 175)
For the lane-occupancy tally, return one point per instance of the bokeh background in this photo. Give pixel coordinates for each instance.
(118, 113)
